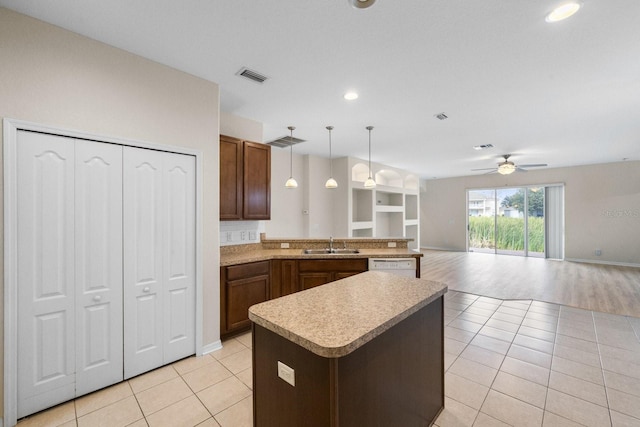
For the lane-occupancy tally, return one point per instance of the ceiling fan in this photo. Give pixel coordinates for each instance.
(508, 167)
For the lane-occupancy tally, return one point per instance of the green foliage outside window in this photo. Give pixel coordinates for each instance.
(510, 233)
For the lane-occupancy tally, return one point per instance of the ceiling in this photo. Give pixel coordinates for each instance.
(564, 94)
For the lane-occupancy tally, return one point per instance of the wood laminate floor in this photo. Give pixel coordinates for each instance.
(603, 288)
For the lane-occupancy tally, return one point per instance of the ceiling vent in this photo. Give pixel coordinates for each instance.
(251, 75)
(285, 141)
(482, 147)
(441, 116)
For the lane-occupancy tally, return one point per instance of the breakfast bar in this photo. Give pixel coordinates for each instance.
(364, 350)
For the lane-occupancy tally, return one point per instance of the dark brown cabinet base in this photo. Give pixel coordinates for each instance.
(241, 286)
(397, 379)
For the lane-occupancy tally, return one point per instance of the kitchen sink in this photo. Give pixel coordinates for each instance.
(346, 251)
(330, 251)
(317, 251)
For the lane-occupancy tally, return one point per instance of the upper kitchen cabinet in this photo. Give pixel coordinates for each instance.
(245, 179)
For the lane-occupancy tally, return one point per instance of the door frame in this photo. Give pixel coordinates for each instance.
(526, 187)
(10, 139)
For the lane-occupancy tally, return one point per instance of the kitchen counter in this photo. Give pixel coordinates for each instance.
(364, 350)
(259, 254)
(335, 319)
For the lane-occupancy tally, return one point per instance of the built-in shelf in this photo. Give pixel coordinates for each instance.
(390, 209)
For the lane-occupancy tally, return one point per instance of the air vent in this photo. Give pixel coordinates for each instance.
(441, 116)
(482, 147)
(285, 141)
(251, 75)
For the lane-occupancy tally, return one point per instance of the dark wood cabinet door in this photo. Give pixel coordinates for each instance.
(231, 175)
(257, 181)
(284, 277)
(242, 294)
(311, 280)
(242, 286)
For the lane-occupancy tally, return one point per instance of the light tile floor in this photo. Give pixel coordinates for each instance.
(530, 363)
(209, 391)
(518, 363)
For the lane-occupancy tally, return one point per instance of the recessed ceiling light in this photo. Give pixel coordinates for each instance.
(563, 11)
(350, 96)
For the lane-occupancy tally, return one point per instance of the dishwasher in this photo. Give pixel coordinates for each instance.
(401, 266)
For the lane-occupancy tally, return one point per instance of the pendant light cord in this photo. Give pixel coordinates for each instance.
(369, 128)
(291, 128)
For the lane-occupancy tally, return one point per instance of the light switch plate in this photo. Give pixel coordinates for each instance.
(287, 373)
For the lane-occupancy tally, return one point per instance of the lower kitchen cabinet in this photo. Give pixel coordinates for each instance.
(316, 272)
(244, 285)
(284, 277)
(241, 287)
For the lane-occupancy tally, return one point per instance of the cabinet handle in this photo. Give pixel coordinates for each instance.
(97, 298)
(146, 289)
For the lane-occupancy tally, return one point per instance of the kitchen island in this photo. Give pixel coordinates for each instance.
(364, 350)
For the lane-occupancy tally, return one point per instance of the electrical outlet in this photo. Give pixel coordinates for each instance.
(243, 235)
(391, 244)
(286, 373)
(229, 236)
(252, 235)
(284, 245)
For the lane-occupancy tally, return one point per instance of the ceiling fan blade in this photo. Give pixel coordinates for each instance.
(519, 169)
(485, 169)
(538, 165)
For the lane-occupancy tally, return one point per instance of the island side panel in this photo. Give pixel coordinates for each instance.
(397, 378)
(275, 402)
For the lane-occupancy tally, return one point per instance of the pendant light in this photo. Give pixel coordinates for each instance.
(291, 182)
(369, 183)
(331, 183)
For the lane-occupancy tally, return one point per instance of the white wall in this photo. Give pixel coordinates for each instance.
(54, 77)
(602, 209)
(287, 204)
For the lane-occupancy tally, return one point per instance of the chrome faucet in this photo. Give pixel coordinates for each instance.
(331, 243)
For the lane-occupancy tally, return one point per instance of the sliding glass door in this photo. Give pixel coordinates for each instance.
(507, 221)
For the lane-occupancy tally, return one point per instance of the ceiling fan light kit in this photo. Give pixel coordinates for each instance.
(506, 168)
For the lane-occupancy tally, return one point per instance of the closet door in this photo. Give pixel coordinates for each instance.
(46, 292)
(159, 258)
(179, 256)
(144, 224)
(98, 267)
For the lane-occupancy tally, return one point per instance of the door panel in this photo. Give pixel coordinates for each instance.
(46, 330)
(179, 256)
(143, 227)
(98, 231)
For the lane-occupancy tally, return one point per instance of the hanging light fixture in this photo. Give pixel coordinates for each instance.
(369, 183)
(291, 182)
(331, 183)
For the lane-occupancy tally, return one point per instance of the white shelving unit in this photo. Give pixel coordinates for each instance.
(391, 209)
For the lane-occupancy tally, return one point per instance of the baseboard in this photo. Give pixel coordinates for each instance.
(209, 348)
(592, 261)
(436, 248)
